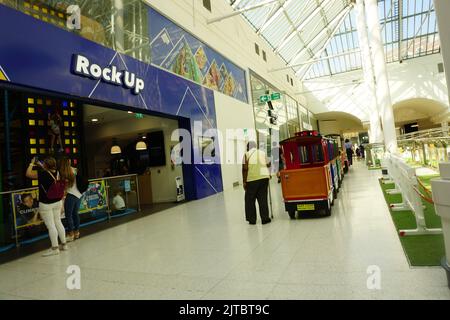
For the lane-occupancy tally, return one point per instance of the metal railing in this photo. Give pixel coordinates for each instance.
(406, 183)
(101, 188)
(425, 134)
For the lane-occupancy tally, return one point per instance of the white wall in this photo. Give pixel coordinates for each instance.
(232, 115)
(163, 178)
(414, 78)
(233, 38)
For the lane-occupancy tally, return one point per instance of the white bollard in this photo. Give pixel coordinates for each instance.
(441, 192)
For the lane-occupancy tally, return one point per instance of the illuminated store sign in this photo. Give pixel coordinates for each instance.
(83, 67)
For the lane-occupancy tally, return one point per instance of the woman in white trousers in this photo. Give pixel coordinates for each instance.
(49, 209)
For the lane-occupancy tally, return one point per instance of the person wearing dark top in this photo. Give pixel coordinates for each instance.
(49, 209)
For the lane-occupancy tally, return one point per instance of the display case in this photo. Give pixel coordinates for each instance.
(374, 154)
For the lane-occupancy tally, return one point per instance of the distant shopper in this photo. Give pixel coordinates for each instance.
(256, 175)
(362, 151)
(51, 193)
(349, 151)
(73, 199)
(118, 202)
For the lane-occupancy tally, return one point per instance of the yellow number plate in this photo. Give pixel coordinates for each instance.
(306, 207)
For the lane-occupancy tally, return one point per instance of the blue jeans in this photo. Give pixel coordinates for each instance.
(71, 208)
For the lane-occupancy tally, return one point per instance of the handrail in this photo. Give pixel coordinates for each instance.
(90, 180)
(406, 183)
(425, 134)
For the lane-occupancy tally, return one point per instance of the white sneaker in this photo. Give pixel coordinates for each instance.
(51, 252)
(64, 247)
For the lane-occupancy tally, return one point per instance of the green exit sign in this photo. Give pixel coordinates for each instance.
(276, 96)
(139, 116)
(272, 97)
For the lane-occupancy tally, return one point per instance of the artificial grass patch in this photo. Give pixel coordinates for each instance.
(423, 250)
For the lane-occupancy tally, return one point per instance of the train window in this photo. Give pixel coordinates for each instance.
(304, 155)
(317, 152)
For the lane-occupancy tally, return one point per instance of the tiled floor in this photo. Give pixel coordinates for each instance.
(206, 250)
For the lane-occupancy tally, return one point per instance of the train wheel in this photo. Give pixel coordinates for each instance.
(328, 210)
(291, 215)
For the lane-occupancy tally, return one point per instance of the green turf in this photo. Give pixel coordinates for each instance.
(422, 251)
(374, 168)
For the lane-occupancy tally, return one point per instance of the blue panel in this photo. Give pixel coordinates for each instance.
(40, 55)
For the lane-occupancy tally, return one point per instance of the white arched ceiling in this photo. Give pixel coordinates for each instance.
(338, 123)
(413, 79)
(417, 109)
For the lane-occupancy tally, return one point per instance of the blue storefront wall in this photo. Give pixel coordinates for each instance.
(39, 55)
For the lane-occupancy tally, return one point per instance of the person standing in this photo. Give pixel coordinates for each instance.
(349, 151)
(73, 199)
(51, 193)
(256, 175)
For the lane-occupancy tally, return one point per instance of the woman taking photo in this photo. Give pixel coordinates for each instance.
(73, 199)
(51, 193)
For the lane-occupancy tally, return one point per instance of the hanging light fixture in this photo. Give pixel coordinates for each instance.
(141, 145)
(115, 149)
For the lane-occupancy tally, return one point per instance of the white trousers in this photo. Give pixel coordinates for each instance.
(51, 214)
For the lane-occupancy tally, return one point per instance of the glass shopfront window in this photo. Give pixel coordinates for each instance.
(121, 25)
(262, 119)
(293, 117)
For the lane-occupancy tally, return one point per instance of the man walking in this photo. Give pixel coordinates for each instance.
(256, 175)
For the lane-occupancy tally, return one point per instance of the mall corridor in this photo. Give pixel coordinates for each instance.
(205, 250)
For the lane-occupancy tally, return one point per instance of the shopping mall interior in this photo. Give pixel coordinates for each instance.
(224, 150)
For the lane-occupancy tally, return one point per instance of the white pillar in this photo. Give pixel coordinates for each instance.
(119, 35)
(442, 8)
(375, 133)
(380, 72)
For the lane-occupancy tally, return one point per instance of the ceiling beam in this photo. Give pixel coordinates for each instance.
(315, 60)
(339, 19)
(273, 16)
(242, 10)
(330, 37)
(300, 27)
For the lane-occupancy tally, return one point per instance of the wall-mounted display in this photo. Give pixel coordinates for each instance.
(176, 50)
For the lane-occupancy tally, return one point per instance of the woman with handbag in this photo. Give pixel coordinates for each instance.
(51, 193)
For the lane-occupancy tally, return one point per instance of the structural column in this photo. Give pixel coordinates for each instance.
(375, 133)
(381, 78)
(442, 8)
(118, 23)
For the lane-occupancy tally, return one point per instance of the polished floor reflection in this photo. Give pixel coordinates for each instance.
(206, 250)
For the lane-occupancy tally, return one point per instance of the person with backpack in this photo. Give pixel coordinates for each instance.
(51, 194)
(72, 201)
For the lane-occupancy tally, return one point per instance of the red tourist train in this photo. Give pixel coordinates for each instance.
(313, 174)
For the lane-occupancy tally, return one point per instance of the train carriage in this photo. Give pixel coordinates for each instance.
(311, 175)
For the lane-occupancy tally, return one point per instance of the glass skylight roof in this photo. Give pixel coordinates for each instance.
(319, 37)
